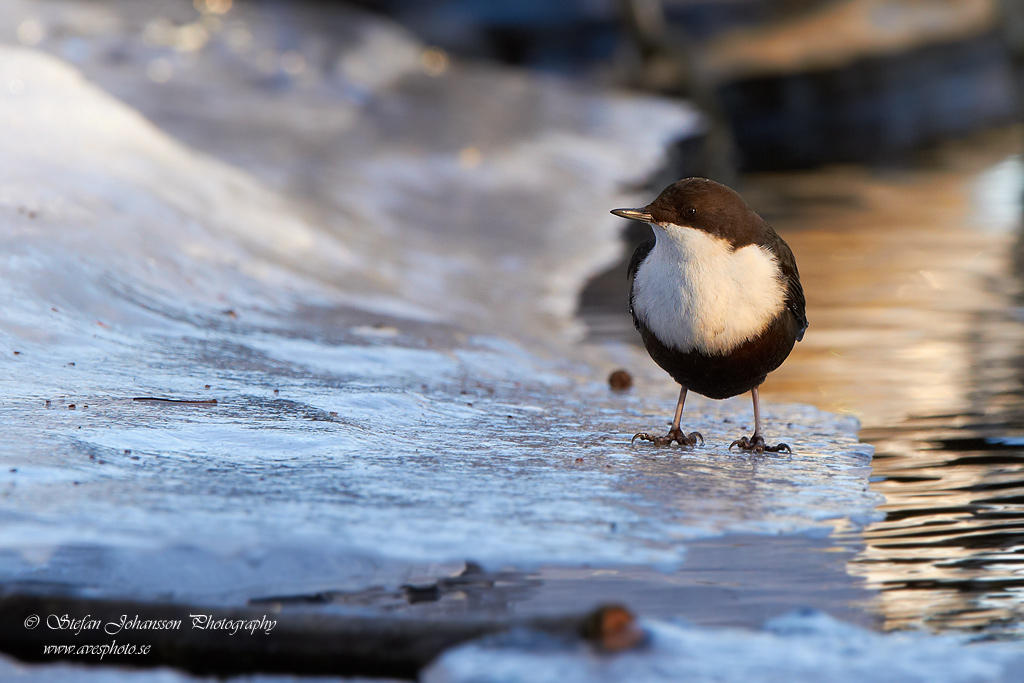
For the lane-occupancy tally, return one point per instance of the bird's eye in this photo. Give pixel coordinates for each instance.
(690, 212)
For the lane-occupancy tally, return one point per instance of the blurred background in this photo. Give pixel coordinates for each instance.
(796, 83)
(880, 138)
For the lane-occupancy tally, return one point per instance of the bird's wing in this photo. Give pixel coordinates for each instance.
(634, 265)
(795, 301)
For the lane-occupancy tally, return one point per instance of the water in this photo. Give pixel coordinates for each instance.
(948, 555)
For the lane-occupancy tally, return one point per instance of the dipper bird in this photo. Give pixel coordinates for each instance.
(716, 297)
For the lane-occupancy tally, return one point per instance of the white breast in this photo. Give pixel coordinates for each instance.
(694, 292)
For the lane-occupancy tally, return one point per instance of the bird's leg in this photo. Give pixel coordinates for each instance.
(756, 442)
(674, 434)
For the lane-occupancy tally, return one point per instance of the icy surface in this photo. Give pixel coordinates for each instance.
(387, 344)
(806, 647)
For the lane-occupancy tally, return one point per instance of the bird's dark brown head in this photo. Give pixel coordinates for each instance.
(705, 205)
(709, 206)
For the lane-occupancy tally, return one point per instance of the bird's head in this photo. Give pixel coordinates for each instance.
(700, 204)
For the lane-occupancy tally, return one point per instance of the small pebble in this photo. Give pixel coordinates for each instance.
(613, 628)
(620, 380)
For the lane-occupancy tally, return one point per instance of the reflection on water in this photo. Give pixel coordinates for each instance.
(914, 304)
(902, 273)
(950, 552)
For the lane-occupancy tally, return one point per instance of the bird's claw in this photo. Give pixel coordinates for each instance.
(687, 440)
(757, 445)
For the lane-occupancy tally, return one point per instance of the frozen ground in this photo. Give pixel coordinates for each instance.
(387, 332)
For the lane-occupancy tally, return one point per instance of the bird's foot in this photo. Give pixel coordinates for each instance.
(688, 440)
(757, 445)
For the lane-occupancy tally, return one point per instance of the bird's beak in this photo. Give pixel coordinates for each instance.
(635, 214)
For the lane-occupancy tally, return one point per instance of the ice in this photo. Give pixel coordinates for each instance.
(800, 647)
(141, 268)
